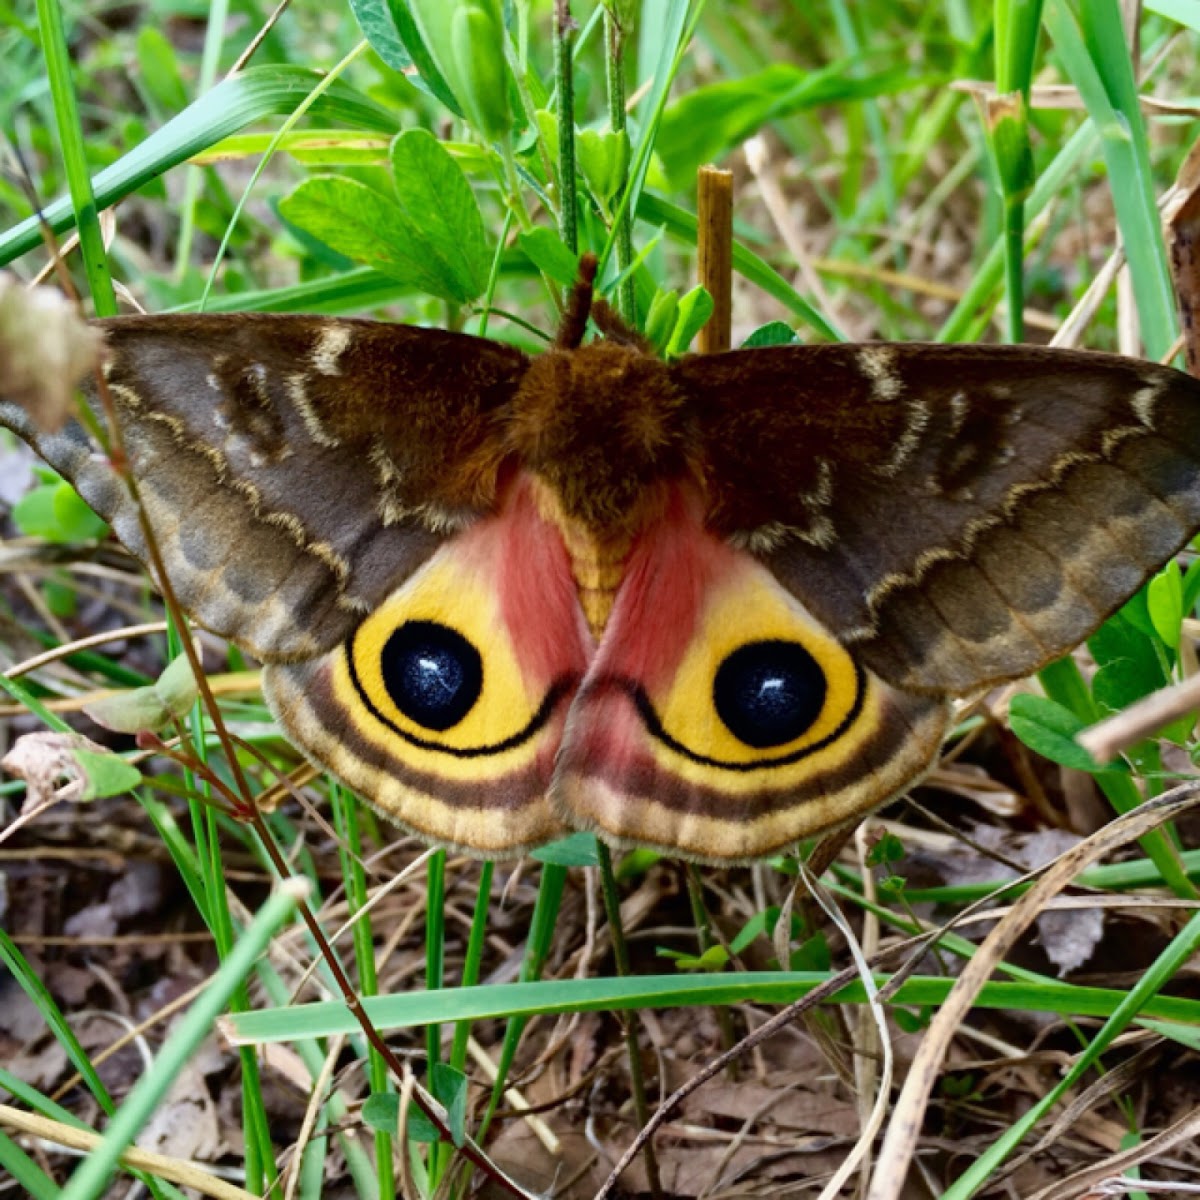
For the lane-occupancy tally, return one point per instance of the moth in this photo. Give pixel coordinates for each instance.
(711, 606)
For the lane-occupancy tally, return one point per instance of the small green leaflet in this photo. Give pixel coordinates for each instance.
(1050, 729)
(169, 698)
(389, 28)
(546, 250)
(773, 333)
(381, 1110)
(429, 235)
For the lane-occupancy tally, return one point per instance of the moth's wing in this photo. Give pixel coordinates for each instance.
(956, 516)
(294, 469)
(720, 718)
(445, 708)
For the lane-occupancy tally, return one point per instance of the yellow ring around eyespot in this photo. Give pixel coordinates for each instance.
(752, 609)
(816, 758)
(446, 593)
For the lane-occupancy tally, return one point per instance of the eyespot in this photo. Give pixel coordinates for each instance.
(759, 683)
(769, 693)
(465, 662)
(432, 673)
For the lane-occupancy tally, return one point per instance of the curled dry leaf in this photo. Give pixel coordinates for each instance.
(67, 766)
(184, 1124)
(1069, 937)
(45, 349)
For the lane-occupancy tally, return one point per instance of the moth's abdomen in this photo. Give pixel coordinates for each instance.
(598, 557)
(597, 569)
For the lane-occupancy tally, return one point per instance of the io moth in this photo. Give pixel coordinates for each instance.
(711, 606)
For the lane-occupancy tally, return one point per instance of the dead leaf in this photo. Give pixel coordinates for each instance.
(66, 766)
(45, 350)
(184, 1125)
(41, 1063)
(1068, 938)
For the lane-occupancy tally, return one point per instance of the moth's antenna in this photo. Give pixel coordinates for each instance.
(583, 303)
(610, 323)
(579, 306)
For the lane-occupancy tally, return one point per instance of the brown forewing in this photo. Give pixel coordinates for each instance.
(960, 515)
(295, 468)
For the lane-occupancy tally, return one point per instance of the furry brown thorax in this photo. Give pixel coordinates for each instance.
(601, 425)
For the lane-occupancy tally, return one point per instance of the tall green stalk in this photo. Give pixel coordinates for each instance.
(74, 152)
(614, 60)
(1017, 24)
(564, 82)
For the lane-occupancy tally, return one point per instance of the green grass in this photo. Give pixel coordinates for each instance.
(334, 177)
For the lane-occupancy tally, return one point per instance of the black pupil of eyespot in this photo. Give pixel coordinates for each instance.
(432, 673)
(769, 693)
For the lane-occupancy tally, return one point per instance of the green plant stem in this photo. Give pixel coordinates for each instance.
(615, 79)
(214, 39)
(1017, 23)
(346, 822)
(705, 941)
(682, 20)
(843, 19)
(473, 959)
(22, 695)
(1093, 51)
(977, 298)
(23, 972)
(70, 136)
(564, 80)
(541, 934)
(1014, 270)
(700, 917)
(489, 295)
(435, 944)
(510, 183)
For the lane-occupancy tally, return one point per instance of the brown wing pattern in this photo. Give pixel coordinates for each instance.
(958, 515)
(294, 468)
